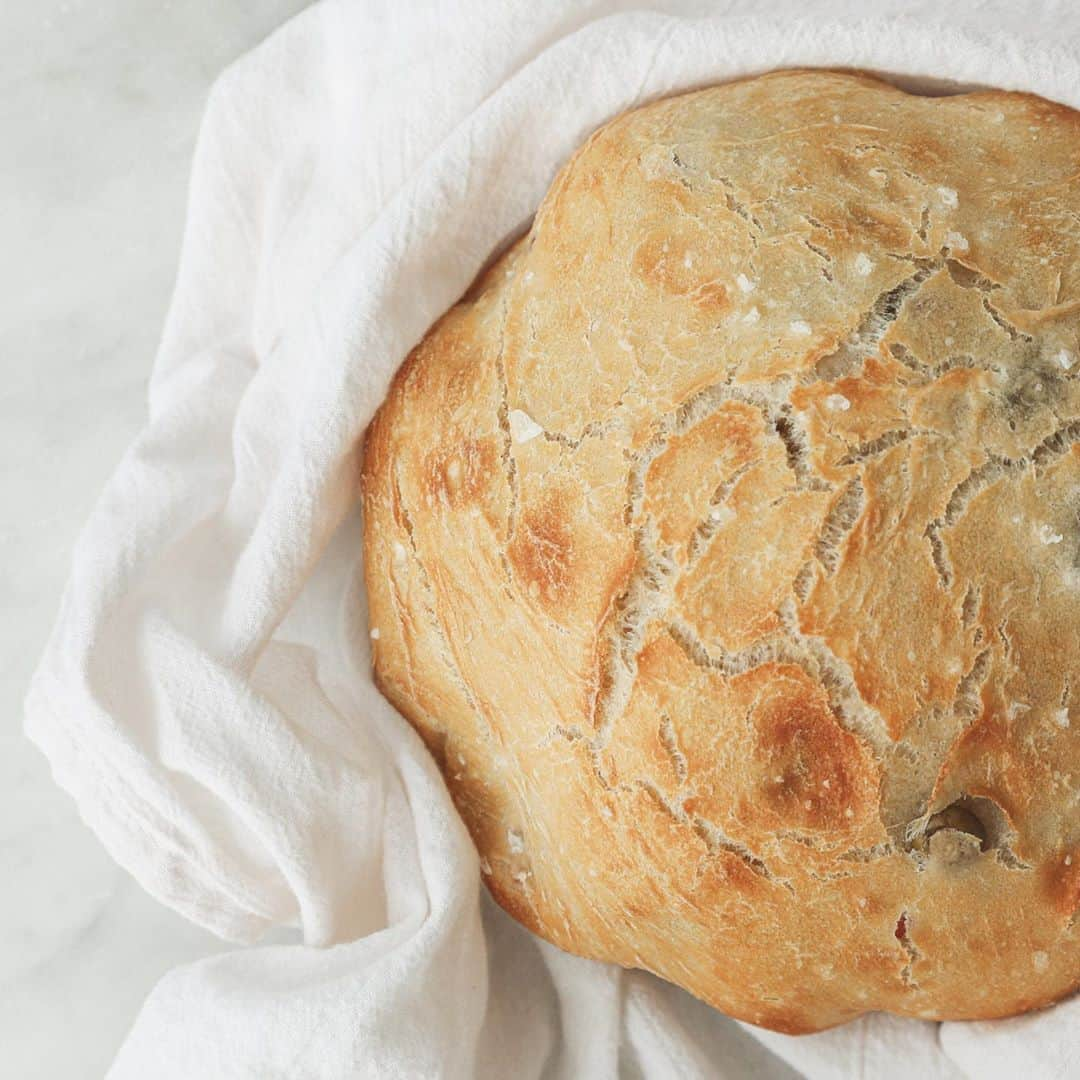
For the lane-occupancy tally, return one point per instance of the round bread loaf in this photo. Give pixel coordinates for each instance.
(723, 545)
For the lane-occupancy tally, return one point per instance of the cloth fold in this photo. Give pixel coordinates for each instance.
(206, 695)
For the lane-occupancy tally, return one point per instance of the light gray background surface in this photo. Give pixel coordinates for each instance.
(99, 107)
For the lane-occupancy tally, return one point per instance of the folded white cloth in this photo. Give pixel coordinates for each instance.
(205, 696)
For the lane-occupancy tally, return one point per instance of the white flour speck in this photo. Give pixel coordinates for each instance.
(1048, 536)
(523, 427)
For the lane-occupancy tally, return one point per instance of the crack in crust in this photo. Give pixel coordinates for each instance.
(839, 522)
(804, 581)
(771, 650)
(807, 652)
(823, 255)
(507, 449)
(670, 741)
(1010, 860)
(882, 444)
(646, 597)
(966, 703)
(865, 339)
(1014, 332)
(772, 399)
(967, 278)
(795, 446)
(868, 854)
(911, 952)
(430, 610)
(923, 231)
(836, 677)
(1055, 444)
(574, 734)
(716, 840)
(648, 594)
(706, 530)
(952, 363)
(738, 207)
(593, 430)
(983, 476)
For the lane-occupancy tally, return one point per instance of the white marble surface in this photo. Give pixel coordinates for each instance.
(99, 107)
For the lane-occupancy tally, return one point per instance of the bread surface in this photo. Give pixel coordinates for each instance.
(723, 545)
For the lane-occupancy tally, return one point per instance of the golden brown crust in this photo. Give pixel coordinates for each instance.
(724, 546)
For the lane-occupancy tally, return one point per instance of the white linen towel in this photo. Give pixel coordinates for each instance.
(205, 696)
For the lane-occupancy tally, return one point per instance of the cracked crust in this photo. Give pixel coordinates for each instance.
(724, 546)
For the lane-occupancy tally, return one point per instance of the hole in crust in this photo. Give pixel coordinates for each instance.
(958, 818)
(961, 830)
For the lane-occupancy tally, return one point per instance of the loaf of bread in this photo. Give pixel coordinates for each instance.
(723, 544)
